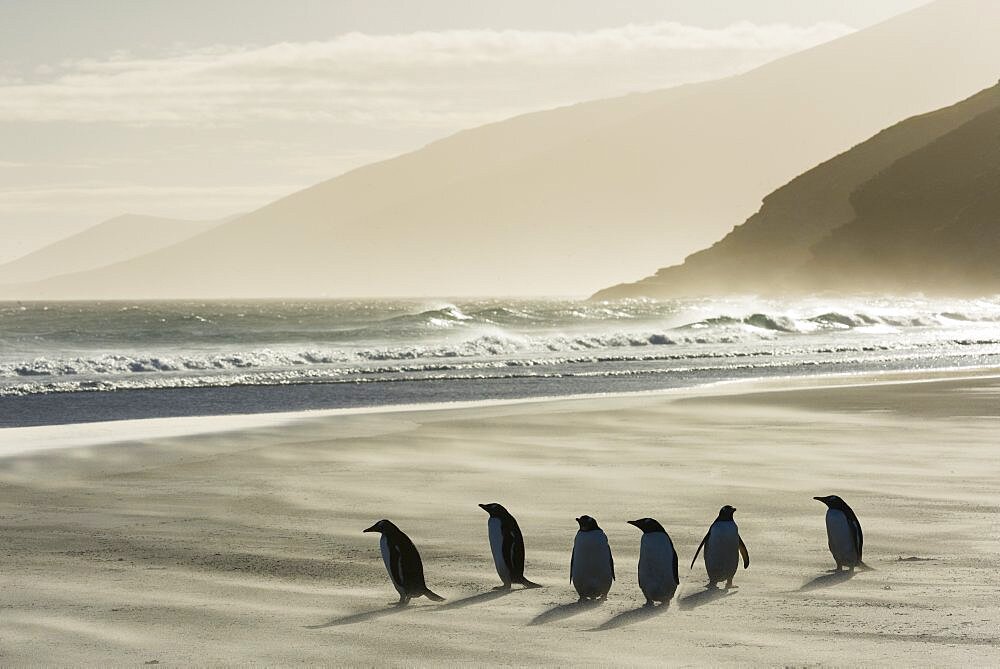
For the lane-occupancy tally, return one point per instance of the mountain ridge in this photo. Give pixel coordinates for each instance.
(765, 253)
(557, 201)
(929, 222)
(110, 241)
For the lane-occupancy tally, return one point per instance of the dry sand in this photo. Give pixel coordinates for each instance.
(246, 546)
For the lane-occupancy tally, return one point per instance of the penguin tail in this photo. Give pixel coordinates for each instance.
(863, 567)
(528, 584)
(434, 597)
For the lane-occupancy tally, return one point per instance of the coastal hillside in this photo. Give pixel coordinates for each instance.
(931, 222)
(836, 225)
(564, 201)
(112, 241)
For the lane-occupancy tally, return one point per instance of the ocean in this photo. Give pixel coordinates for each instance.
(88, 361)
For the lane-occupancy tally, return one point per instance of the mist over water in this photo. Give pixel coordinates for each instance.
(466, 350)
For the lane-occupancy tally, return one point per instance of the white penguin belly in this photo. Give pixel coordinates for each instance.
(656, 567)
(722, 551)
(396, 580)
(496, 546)
(840, 536)
(592, 573)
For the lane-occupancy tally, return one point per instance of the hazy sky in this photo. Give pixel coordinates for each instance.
(203, 108)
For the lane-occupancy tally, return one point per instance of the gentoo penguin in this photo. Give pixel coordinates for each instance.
(723, 548)
(843, 532)
(507, 545)
(591, 568)
(657, 562)
(402, 561)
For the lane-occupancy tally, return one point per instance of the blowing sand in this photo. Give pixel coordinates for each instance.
(246, 546)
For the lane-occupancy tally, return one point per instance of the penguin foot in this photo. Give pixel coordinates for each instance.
(649, 604)
(502, 587)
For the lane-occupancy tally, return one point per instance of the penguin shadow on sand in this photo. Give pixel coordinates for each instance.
(564, 611)
(472, 600)
(631, 617)
(711, 593)
(363, 617)
(829, 579)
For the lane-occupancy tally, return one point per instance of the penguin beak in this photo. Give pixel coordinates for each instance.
(634, 522)
(820, 499)
(373, 528)
(483, 507)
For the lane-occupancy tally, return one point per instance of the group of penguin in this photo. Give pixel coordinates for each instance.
(592, 567)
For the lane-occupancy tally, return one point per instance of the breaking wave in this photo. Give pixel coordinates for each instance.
(97, 347)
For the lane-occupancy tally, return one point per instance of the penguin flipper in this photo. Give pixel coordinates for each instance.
(398, 574)
(611, 558)
(673, 549)
(699, 549)
(513, 550)
(745, 553)
(572, 556)
(859, 535)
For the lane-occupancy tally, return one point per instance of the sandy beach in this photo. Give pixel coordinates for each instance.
(244, 546)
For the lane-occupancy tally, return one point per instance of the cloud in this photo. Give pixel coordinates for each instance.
(440, 79)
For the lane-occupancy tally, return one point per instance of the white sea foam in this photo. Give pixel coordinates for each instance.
(93, 348)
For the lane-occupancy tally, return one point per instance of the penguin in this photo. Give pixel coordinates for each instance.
(402, 561)
(507, 545)
(843, 533)
(723, 548)
(657, 562)
(591, 567)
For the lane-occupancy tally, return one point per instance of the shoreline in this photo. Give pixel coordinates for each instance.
(245, 547)
(20, 441)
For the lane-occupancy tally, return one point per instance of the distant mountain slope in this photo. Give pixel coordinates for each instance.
(770, 251)
(930, 222)
(112, 241)
(570, 199)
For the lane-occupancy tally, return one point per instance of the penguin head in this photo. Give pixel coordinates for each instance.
(382, 527)
(832, 501)
(495, 510)
(726, 513)
(648, 525)
(587, 524)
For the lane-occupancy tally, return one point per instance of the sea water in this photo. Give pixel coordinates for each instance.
(84, 361)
